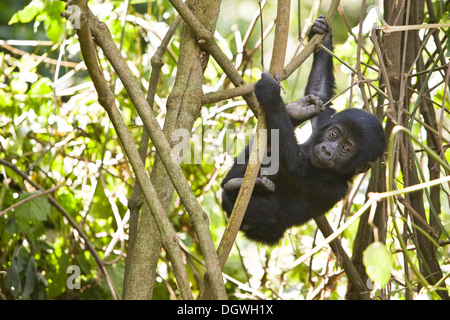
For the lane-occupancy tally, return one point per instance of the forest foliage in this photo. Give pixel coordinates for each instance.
(67, 177)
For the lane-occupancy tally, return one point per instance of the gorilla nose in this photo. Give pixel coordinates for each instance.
(326, 153)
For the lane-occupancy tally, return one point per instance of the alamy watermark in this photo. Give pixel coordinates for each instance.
(214, 146)
(73, 281)
(73, 15)
(185, 152)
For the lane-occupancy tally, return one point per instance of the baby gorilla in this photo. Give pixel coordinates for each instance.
(299, 111)
(313, 176)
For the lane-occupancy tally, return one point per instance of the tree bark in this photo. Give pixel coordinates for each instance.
(183, 108)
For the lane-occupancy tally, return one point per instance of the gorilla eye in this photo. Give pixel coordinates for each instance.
(345, 148)
(334, 134)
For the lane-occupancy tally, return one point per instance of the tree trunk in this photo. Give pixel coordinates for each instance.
(183, 107)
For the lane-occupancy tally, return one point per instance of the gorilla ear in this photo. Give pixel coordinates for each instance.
(363, 167)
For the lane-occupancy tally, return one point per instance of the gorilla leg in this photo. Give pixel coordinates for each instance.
(261, 221)
(261, 184)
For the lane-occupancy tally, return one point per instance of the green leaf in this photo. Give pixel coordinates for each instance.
(19, 86)
(54, 30)
(41, 87)
(447, 54)
(27, 14)
(100, 206)
(51, 17)
(18, 262)
(12, 282)
(30, 278)
(35, 210)
(377, 260)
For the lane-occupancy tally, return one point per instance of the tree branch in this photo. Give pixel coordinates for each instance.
(144, 243)
(293, 65)
(106, 99)
(207, 41)
(347, 265)
(281, 37)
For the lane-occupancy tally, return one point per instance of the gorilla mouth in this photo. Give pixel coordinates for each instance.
(319, 162)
